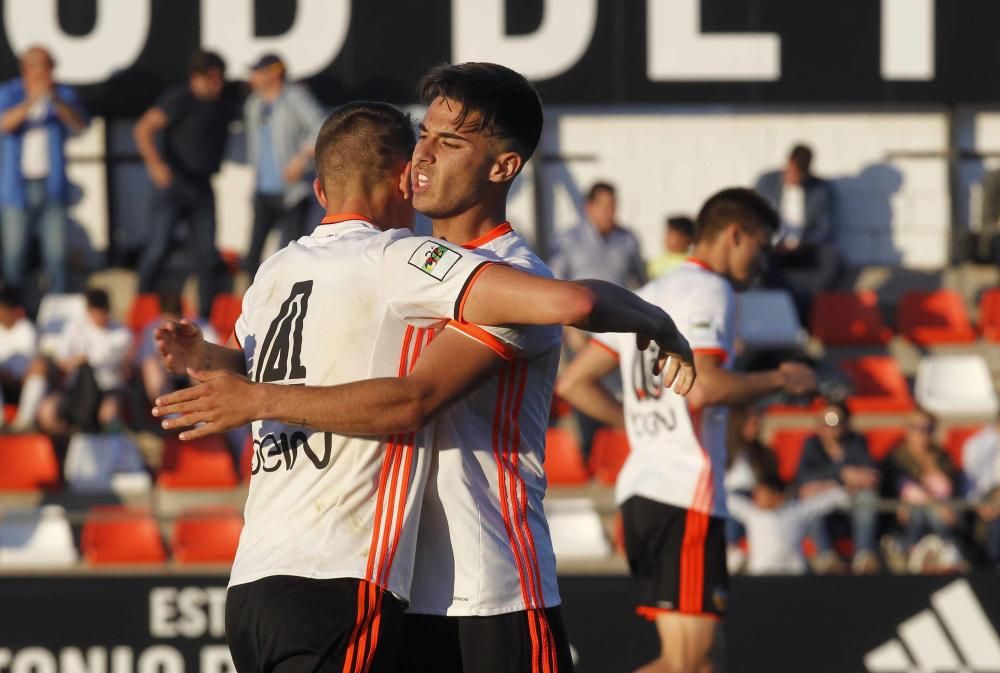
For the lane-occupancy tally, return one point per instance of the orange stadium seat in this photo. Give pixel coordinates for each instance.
(9, 413)
(116, 534)
(848, 319)
(225, 310)
(144, 310)
(989, 315)
(29, 463)
(787, 445)
(564, 464)
(608, 452)
(203, 463)
(208, 535)
(883, 440)
(954, 442)
(879, 385)
(930, 318)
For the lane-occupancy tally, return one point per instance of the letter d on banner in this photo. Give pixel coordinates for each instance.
(314, 40)
(478, 33)
(116, 41)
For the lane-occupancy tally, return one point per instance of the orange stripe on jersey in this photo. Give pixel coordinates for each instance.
(467, 288)
(493, 234)
(606, 347)
(482, 336)
(354, 656)
(720, 353)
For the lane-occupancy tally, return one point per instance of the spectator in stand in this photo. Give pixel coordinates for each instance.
(805, 259)
(17, 348)
(776, 525)
(677, 240)
(156, 380)
(837, 458)
(598, 247)
(193, 119)
(981, 459)
(920, 474)
(282, 121)
(91, 367)
(36, 116)
(988, 243)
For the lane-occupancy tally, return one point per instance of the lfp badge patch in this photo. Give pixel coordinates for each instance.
(434, 259)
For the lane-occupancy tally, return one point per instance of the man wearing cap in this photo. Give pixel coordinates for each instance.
(282, 120)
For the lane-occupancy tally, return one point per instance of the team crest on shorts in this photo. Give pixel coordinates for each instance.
(720, 598)
(434, 259)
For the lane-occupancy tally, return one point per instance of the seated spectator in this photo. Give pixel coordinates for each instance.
(988, 240)
(749, 462)
(981, 458)
(920, 474)
(776, 525)
(156, 380)
(90, 369)
(678, 237)
(805, 259)
(837, 457)
(17, 348)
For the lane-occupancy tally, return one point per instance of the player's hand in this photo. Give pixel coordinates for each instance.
(181, 345)
(160, 174)
(674, 359)
(220, 401)
(797, 378)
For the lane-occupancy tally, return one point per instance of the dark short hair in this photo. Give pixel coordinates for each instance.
(9, 297)
(599, 187)
(202, 62)
(802, 157)
(363, 139)
(508, 107)
(772, 481)
(98, 299)
(681, 223)
(736, 204)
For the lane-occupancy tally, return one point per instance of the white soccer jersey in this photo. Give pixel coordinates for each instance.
(678, 454)
(105, 348)
(347, 303)
(484, 546)
(18, 346)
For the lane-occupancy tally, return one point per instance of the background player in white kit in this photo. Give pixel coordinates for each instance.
(671, 489)
(345, 522)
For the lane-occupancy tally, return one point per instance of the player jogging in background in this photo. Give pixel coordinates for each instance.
(670, 489)
(325, 560)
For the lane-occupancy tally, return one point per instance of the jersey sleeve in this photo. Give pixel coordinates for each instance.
(608, 341)
(242, 327)
(707, 324)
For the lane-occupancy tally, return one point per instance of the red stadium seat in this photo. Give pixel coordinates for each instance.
(207, 536)
(930, 318)
(560, 408)
(563, 459)
(225, 310)
(117, 535)
(848, 319)
(29, 463)
(608, 452)
(787, 445)
(989, 315)
(954, 442)
(144, 310)
(203, 463)
(881, 441)
(9, 413)
(879, 385)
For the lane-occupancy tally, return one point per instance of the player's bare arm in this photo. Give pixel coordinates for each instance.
(183, 347)
(451, 366)
(718, 385)
(580, 385)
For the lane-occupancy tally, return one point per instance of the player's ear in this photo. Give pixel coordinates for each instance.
(318, 191)
(506, 167)
(405, 186)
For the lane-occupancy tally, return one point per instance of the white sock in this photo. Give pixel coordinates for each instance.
(32, 393)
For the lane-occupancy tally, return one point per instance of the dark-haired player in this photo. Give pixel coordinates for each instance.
(671, 488)
(325, 560)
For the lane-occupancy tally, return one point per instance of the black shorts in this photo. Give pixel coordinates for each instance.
(515, 642)
(285, 624)
(678, 557)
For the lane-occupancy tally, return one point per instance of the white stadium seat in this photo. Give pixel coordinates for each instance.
(576, 529)
(956, 385)
(41, 537)
(55, 312)
(104, 463)
(767, 319)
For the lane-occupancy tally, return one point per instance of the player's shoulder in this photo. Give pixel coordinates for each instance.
(689, 281)
(513, 249)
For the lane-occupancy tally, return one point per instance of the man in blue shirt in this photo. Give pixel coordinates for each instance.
(36, 117)
(282, 121)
